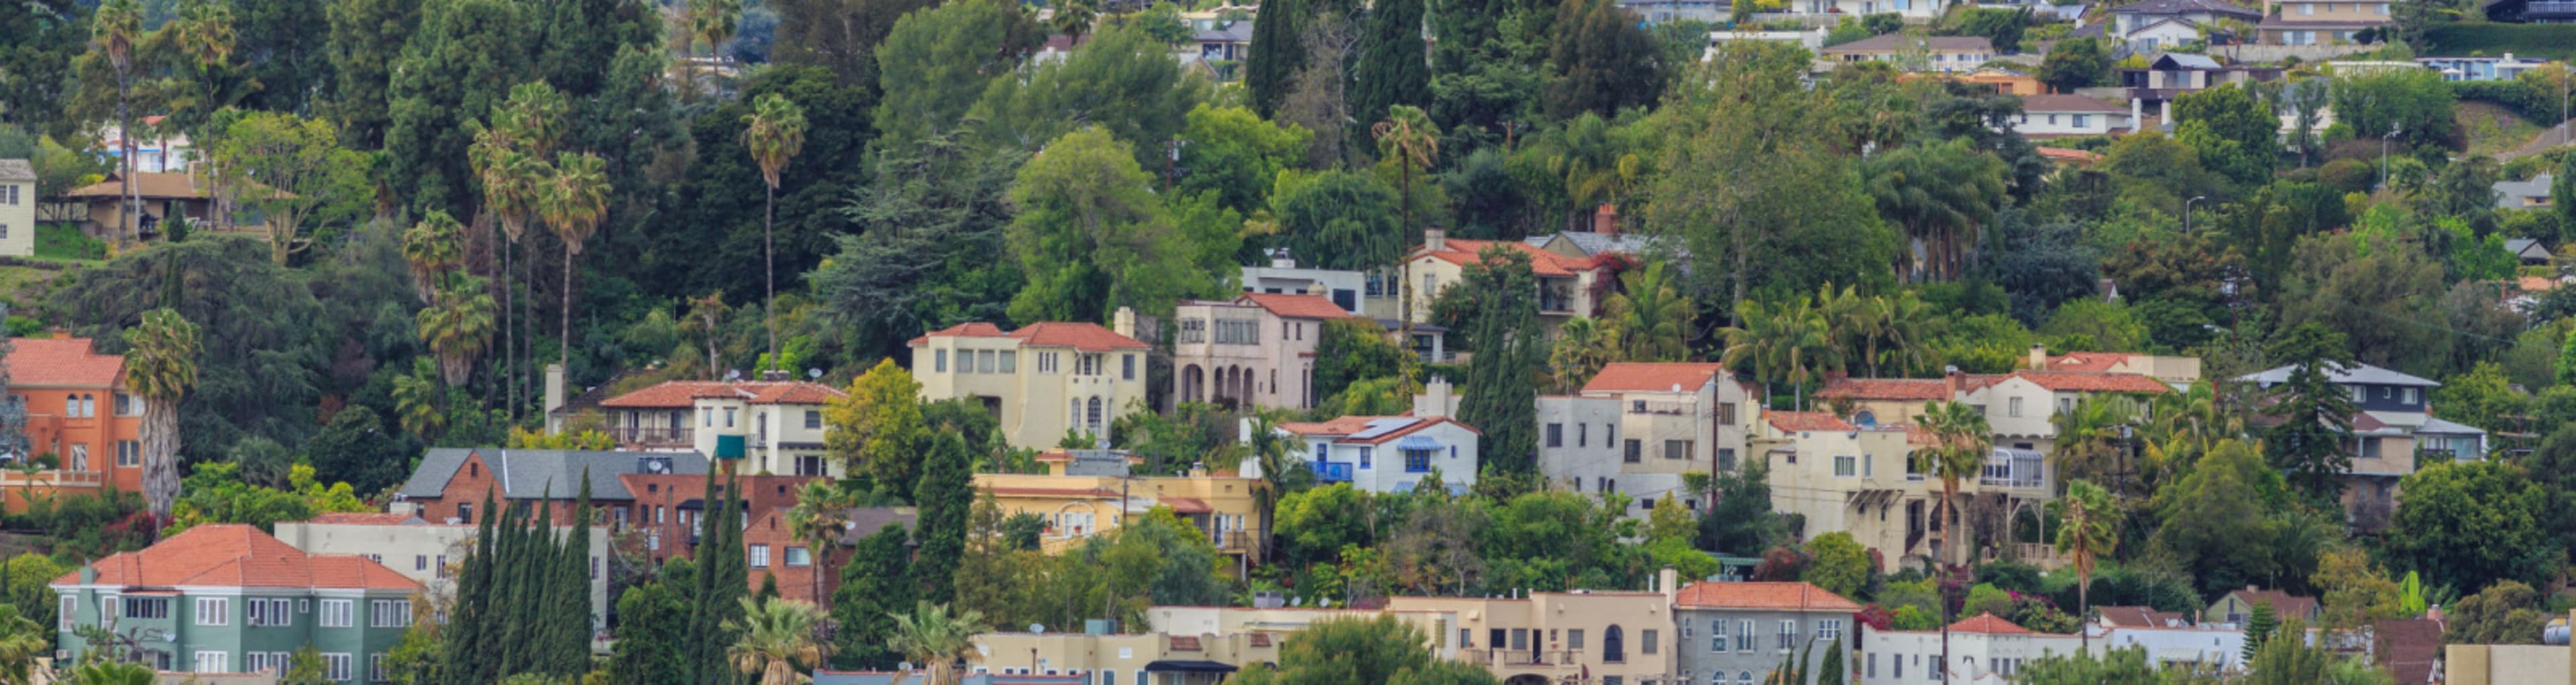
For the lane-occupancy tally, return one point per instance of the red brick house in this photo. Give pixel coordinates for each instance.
(651, 500)
(772, 549)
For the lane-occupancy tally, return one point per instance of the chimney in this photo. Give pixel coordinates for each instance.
(1605, 219)
(1437, 399)
(1953, 379)
(1316, 289)
(1280, 258)
(1666, 581)
(554, 390)
(1124, 322)
(1435, 239)
(2038, 356)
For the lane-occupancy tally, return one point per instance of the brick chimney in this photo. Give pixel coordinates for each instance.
(1605, 219)
(1951, 376)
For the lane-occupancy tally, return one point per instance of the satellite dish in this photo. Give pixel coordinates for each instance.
(1036, 629)
(733, 374)
(813, 373)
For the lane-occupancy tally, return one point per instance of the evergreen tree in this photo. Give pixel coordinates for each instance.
(875, 585)
(1832, 671)
(653, 620)
(1394, 67)
(13, 415)
(470, 621)
(2259, 627)
(723, 581)
(461, 62)
(2312, 441)
(1278, 50)
(946, 495)
(569, 608)
(1501, 391)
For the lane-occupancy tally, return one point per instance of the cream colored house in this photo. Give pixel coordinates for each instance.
(1045, 381)
(2320, 22)
(432, 553)
(1181, 646)
(1090, 492)
(1257, 349)
(1982, 649)
(1554, 637)
(1841, 477)
(17, 208)
(1565, 283)
(1636, 427)
(778, 424)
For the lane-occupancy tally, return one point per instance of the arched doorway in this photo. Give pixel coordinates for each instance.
(1193, 384)
(1614, 646)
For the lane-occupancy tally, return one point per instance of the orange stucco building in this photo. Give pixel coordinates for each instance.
(78, 411)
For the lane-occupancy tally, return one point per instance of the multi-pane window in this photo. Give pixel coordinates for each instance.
(1556, 435)
(1788, 633)
(1238, 331)
(1192, 331)
(270, 612)
(376, 668)
(1635, 451)
(1717, 635)
(1726, 413)
(212, 662)
(760, 556)
(1049, 363)
(1744, 640)
(129, 453)
(336, 667)
(985, 361)
(63, 613)
(1127, 370)
(1845, 465)
(337, 613)
(1417, 461)
(214, 611)
(799, 556)
(1010, 362)
(1652, 641)
(813, 419)
(147, 607)
(389, 613)
(939, 361)
(1677, 449)
(1829, 629)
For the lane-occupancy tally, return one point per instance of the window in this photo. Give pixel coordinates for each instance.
(1726, 413)
(728, 417)
(271, 612)
(1744, 641)
(376, 668)
(80, 456)
(147, 607)
(939, 361)
(1872, 671)
(212, 662)
(760, 556)
(1717, 636)
(1556, 435)
(129, 453)
(1788, 633)
(1574, 639)
(1677, 449)
(799, 556)
(1648, 646)
(336, 613)
(706, 417)
(1047, 363)
(1583, 435)
(1846, 466)
(984, 361)
(1127, 370)
(2358, 393)
(2013, 408)
(65, 611)
(2370, 448)
(813, 419)
(1609, 434)
(2081, 120)
(1634, 451)
(2408, 396)
(336, 667)
(1829, 629)
(1364, 457)
(465, 512)
(389, 613)
(1417, 461)
(1010, 361)
(128, 405)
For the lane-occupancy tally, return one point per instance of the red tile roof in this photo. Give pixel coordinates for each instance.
(1542, 262)
(2087, 361)
(973, 329)
(1654, 376)
(233, 555)
(1348, 425)
(1793, 596)
(1069, 493)
(2283, 603)
(1185, 643)
(1795, 421)
(1298, 306)
(671, 394)
(370, 518)
(2067, 154)
(1186, 505)
(1087, 337)
(1908, 389)
(61, 363)
(1987, 623)
(2081, 381)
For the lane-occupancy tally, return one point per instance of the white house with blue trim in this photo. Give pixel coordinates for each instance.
(1387, 453)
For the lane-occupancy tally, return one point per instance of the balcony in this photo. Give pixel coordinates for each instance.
(2549, 10)
(1332, 471)
(1521, 657)
(1665, 408)
(1554, 302)
(652, 435)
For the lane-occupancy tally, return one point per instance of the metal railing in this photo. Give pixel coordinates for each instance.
(2548, 8)
(652, 434)
(1332, 472)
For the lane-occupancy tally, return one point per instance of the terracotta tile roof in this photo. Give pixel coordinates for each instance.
(1654, 377)
(1343, 427)
(2087, 361)
(2534, 284)
(370, 518)
(1542, 262)
(1793, 596)
(61, 362)
(2068, 154)
(149, 184)
(2082, 381)
(974, 329)
(1185, 643)
(233, 555)
(1056, 492)
(2284, 604)
(1260, 639)
(1987, 623)
(1186, 505)
(2407, 648)
(2129, 616)
(1909, 389)
(1795, 421)
(675, 394)
(1087, 337)
(1298, 306)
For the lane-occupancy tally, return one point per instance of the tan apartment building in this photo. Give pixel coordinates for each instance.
(776, 425)
(1180, 646)
(2321, 22)
(1565, 284)
(430, 553)
(1865, 480)
(1081, 496)
(1044, 382)
(1636, 427)
(1592, 636)
(1943, 54)
(1256, 350)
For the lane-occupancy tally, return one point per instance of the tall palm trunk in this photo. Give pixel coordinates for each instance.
(509, 365)
(563, 352)
(1949, 545)
(160, 437)
(769, 269)
(2083, 605)
(133, 222)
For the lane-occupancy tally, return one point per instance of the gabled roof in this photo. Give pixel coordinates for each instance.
(1654, 376)
(1087, 337)
(2088, 381)
(1796, 421)
(1370, 430)
(1907, 389)
(680, 394)
(149, 184)
(1792, 596)
(17, 170)
(2161, 7)
(61, 363)
(2355, 374)
(537, 474)
(1989, 624)
(2087, 361)
(2174, 60)
(234, 555)
(2057, 102)
(1887, 42)
(2283, 603)
(1299, 306)
(1464, 252)
(1597, 244)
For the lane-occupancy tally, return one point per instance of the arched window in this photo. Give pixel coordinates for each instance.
(88, 406)
(1614, 646)
(1746, 676)
(1073, 420)
(1096, 426)
(1864, 418)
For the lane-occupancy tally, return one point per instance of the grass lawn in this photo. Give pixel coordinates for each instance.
(2552, 41)
(2491, 128)
(64, 242)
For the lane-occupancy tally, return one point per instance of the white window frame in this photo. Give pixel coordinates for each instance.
(211, 661)
(337, 613)
(799, 557)
(759, 556)
(389, 613)
(336, 666)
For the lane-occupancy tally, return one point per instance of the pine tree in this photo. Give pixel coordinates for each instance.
(468, 625)
(570, 610)
(1394, 67)
(2259, 627)
(875, 585)
(946, 496)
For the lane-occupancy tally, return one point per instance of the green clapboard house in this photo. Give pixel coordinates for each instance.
(232, 599)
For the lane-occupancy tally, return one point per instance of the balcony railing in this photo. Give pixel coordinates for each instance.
(2536, 9)
(1523, 657)
(652, 435)
(1332, 472)
(1655, 407)
(1555, 302)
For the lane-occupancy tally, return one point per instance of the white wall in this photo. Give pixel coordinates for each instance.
(18, 219)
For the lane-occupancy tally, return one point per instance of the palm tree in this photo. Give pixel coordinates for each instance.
(2088, 529)
(432, 247)
(936, 639)
(416, 397)
(821, 516)
(1073, 18)
(161, 367)
(775, 132)
(2186, 425)
(712, 21)
(575, 200)
(1408, 135)
(1963, 440)
(114, 28)
(706, 319)
(203, 36)
(1582, 347)
(110, 673)
(1651, 317)
(459, 327)
(774, 637)
(1852, 322)
(1279, 470)
(2089, 437)
(1788, 341)
(22, 642)
(509, 158)
(1907, 328)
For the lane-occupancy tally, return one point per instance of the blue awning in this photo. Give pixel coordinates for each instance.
(1419, 442)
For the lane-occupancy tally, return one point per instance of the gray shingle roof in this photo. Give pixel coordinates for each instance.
(17, 170)
(866, 521)
(2356, 374)
(2509, 194)
(2166, 7)
(533, 474)
(2176, 60)
(1596, 244)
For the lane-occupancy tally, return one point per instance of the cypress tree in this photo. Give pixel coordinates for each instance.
(1394, 65)
(946, 496)
(875, 585)
(1278, 51)
(467, 624)
(722, 580)
(571, 608)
